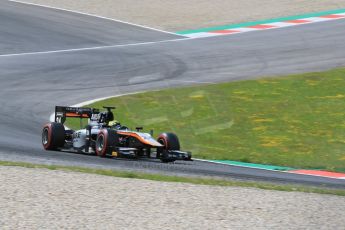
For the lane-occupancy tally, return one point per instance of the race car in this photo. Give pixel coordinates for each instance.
(105, 137)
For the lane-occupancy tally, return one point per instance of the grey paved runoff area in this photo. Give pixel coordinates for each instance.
(192, 14)
(32, 84)
(45, 199)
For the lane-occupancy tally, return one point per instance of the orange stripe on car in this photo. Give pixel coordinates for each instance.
(76, 115)
(134, 135)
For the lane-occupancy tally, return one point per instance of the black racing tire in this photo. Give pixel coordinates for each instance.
(170, 142)
(107, 140)
(53, 136)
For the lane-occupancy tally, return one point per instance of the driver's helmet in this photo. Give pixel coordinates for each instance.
(115, 124)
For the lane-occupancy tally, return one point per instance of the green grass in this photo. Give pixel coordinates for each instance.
(191, 180)
(296, 121)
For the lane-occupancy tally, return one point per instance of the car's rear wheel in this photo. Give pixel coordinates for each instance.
(53, 136)
(106, 141)
(170, 142)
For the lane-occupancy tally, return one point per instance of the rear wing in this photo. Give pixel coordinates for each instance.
(61, 112)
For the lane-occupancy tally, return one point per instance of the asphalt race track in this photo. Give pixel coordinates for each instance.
(130, 59)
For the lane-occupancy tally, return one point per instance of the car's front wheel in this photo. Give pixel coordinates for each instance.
(170, 142)
(106, 141)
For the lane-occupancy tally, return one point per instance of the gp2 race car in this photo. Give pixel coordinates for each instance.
(105, 137)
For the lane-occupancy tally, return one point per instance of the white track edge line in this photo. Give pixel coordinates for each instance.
(52, 116)
(97, 16)
(94, 48)
(81, 104)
